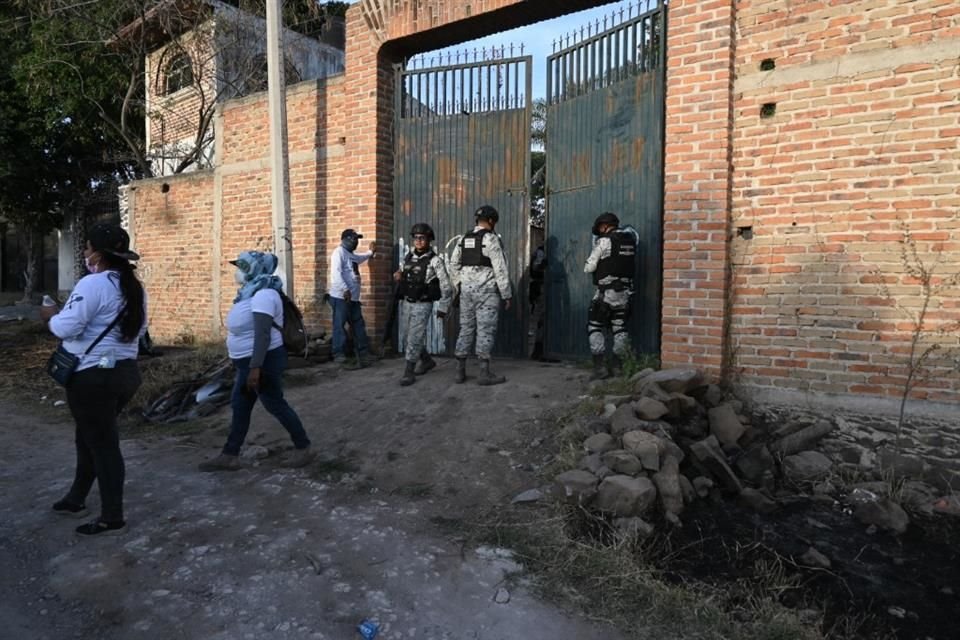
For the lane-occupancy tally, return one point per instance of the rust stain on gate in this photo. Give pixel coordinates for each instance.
(462, 139)
(604, 148)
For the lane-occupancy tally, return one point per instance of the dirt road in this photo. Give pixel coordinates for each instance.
(271, 553)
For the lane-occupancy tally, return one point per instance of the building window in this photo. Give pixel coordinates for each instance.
(179, 74)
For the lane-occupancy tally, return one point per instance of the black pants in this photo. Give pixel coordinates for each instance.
(96, 396)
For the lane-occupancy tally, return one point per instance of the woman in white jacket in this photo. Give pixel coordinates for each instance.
(106, 377)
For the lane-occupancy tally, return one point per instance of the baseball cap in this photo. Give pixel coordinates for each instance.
(349, 232)
(112, 239)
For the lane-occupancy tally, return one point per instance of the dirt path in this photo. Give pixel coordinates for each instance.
(274, 553)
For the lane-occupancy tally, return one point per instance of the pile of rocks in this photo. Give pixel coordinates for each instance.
(676, 439)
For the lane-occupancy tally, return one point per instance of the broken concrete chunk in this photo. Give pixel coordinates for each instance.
(702, 485)
(806, 466)
(646, 446)
(724, 424)
(681, 405)
(576, 486)
(625, 496)
(802, 440)
(682, 380)
(667, 481)
(530, 495)
(708, 453)
(649, 409)
(600, 442)
(623, 420)
(622, 461)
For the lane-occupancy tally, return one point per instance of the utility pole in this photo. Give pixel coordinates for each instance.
(279, 183)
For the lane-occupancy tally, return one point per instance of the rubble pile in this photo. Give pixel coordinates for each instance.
(676, 439)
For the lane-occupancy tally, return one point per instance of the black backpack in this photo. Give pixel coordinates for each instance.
(293, 332)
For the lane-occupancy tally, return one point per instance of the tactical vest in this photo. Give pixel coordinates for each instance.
(471, 250)
(622, 259)
(413, 283)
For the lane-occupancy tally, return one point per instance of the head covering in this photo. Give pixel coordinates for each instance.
(257, 268)
(348, 233)
(487, 212)
(112, 239)
(605, 219)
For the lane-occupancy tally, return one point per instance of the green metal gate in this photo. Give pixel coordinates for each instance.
(604, 150)
(462, 136)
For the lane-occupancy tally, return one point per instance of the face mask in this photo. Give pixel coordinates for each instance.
(240, 277)
(92, 267)
(350, 243)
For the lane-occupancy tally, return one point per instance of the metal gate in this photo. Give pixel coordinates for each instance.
(462, 135)
(604, 150)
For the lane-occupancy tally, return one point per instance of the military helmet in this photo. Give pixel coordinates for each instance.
(422, 228)
(486, 212)
(604, 219)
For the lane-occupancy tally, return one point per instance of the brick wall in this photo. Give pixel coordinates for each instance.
(778, 231)
(203, 220)
(864, 145)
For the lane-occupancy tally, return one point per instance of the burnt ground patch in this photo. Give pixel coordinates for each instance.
(878, 585)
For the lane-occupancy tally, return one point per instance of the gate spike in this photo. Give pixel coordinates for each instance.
(521, 48)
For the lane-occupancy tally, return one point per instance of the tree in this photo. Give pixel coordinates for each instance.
(93, 55)
(49, 159)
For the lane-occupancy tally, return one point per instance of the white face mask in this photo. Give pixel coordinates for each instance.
(240, 277)
(92, 267)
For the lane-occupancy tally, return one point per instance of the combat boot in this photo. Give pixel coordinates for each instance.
(408, 377)
(461, 376)
(599, 368)
(425, 364)
(486, 377)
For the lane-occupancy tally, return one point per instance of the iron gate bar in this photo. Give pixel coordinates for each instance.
(462, 135)
(604, 145)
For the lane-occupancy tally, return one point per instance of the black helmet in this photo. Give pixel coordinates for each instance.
(422, 228)
(486, 212)
(604, 219)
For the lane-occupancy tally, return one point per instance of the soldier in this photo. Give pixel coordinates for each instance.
(422, 280)
(478, 264)
(612, 263)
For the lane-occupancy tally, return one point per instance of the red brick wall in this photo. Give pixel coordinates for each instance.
(696, 183)
(173, 234)
(864, 144)
(864, 138)
(217, 214)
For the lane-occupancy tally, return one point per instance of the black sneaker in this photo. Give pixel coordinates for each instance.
(70, 509)
(101, 528)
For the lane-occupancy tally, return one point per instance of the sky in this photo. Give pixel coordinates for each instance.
(538, 38)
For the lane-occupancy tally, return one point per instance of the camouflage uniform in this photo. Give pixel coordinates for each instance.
(610, 306)
(418, 314)
(481, 290)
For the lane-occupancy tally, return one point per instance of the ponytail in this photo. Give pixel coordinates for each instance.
(135, 315)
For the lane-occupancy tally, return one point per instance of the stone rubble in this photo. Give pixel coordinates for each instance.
(677, 439)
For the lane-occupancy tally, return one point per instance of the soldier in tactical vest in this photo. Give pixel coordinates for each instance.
(422, 280)
(612, 263)
(479, 265)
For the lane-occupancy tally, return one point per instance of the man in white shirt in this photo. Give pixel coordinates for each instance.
(344, 298)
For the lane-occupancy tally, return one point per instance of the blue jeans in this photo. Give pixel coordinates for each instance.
(271, 395)
(348, 312)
